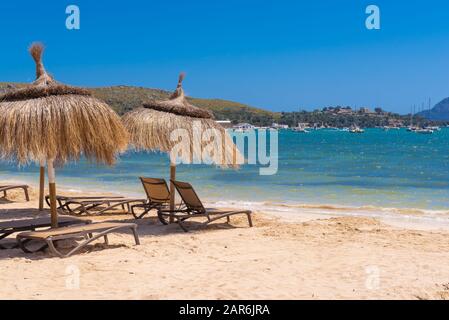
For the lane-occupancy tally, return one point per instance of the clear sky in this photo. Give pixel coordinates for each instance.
(279, 55)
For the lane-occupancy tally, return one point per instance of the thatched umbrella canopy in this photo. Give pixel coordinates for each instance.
(156, 126)
(54, 123)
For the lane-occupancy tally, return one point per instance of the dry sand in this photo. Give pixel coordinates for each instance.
(324, 258)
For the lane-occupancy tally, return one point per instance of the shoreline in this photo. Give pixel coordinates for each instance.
(415, 218)
(315, 257)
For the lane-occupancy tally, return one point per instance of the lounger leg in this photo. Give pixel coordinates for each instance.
(85, 243)
(136, 235)
(27, 196)
(133, 213)
(61, 205)
(162, 218)
(227, 215)
(228, 219)
(5, 235)
(106, 241)
(4, 194)
(141, 215)
(250, 221)
(83, 209)
(181, 224)
(52, 248)
(47, 200)
(145, 211)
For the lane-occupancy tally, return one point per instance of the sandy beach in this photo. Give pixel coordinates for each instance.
(312, 258)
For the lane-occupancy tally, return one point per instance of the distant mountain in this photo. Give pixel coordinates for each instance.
(439, 113)
(125, 98)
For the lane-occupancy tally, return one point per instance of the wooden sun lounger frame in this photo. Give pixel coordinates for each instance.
(24, 187)
(84, 205)
(33, 224)
(88, 235)
(195, 211)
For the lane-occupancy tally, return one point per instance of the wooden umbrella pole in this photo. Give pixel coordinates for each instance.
(52, 188)
(41, 185)
(172, 188)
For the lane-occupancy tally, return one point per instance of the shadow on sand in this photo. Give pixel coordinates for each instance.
(147, 227)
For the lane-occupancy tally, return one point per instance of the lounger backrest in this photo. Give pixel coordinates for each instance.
(156, 189)
(189, 196)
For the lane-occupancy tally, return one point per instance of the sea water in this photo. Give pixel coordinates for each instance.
(394, 171)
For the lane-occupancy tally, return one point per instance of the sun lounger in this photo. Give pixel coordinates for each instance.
(5, 188)
(94, 205)
(61, 200)
(158, 196)
(194, 208)
(8, 228)
(89, 232)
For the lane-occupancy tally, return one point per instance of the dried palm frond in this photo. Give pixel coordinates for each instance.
(157, 126)
(177, 104)
(49, 120)
(155, 130)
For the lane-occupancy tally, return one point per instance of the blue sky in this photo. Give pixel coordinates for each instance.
(279, 55)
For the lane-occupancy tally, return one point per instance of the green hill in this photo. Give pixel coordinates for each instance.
(124, 98)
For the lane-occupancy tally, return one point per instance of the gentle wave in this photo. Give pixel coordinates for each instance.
(291, 210)
(336, 208)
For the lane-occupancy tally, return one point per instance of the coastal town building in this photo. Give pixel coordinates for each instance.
(365, 110)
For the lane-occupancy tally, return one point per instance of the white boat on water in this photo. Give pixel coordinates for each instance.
(356, 129)
(424, 131)
(434, 128)
(388, 128)
(302, 128)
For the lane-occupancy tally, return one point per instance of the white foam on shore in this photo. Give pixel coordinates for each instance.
(401, 217)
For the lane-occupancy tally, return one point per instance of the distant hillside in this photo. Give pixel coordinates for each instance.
(125, 98)
(439, 113)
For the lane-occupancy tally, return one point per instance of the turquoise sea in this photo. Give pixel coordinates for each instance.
(324, 168)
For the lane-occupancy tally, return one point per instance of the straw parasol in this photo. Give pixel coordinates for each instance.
(151, 128)
(9, 88)
(49, 122)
